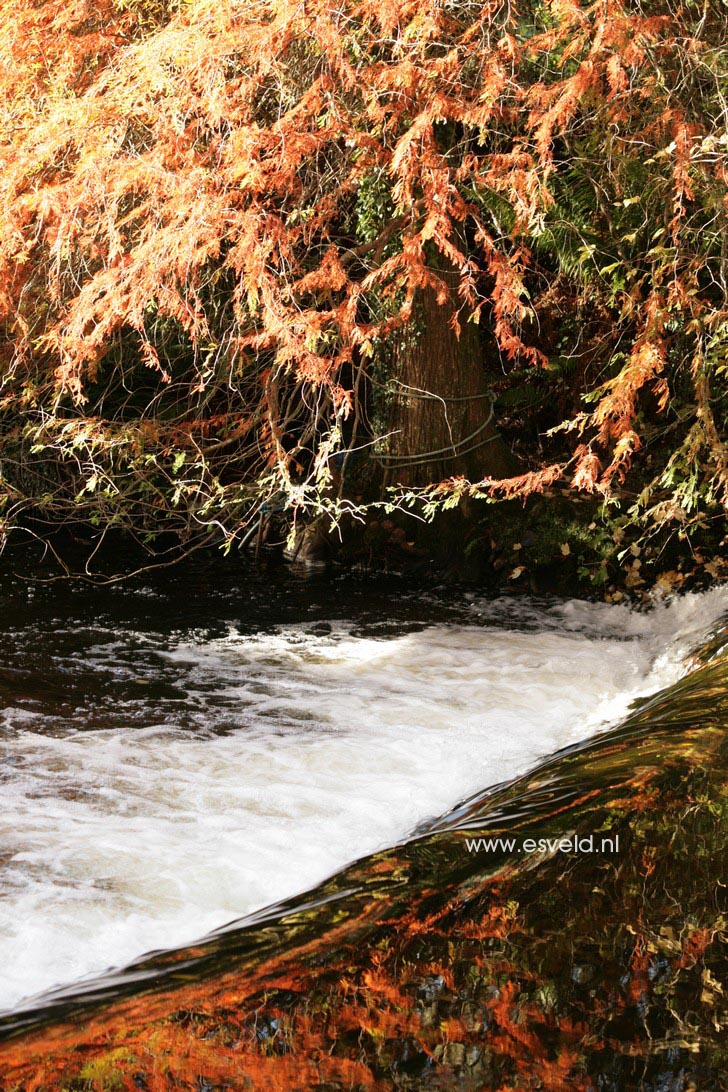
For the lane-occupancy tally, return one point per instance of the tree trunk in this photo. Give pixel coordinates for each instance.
(441, 414)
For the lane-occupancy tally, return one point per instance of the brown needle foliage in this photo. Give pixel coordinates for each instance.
(214, 215)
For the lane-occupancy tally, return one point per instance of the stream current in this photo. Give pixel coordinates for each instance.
(180, 751)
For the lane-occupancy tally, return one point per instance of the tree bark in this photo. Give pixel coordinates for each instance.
(441, 417)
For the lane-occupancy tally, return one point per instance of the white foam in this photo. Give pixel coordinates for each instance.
(323, 748)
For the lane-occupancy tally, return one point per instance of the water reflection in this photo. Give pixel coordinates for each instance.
(428, 966)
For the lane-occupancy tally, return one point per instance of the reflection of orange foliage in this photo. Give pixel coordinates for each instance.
(518, 1037)
(640, 961)
(499, 921)
(695, 946)
(216, 1032)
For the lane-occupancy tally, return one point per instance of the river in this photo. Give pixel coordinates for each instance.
(184, 749)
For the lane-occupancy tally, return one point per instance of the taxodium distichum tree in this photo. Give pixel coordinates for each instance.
(224, 225)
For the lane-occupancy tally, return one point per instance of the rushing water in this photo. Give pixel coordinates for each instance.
(175, 756)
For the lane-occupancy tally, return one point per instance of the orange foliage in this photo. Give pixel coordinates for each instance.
(196, 164)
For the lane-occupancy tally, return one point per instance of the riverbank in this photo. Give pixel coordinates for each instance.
(560, 543)
(444, 962)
